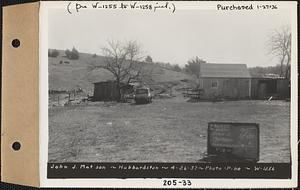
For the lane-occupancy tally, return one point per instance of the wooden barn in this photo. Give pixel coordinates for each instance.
(108, 91)
(227, 81)
(266, 87)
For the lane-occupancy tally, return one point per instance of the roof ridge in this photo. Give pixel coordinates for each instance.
(229, 70)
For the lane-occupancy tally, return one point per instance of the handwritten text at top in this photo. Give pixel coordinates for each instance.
(76, 7)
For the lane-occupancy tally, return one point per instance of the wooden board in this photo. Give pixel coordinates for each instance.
(239, 141)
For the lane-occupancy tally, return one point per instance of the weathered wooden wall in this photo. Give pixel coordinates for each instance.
(229, 88)
(260, 86)
(105, 91)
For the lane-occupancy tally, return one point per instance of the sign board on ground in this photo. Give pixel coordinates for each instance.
(235, 140)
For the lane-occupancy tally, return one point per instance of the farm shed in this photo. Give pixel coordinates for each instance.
(229, 81)
(108, 91)
(263, 88)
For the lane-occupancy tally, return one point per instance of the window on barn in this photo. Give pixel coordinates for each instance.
(214, 84)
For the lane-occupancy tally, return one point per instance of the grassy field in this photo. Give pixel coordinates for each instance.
(168, 130)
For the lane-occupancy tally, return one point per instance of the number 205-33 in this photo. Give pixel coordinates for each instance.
(175, 182)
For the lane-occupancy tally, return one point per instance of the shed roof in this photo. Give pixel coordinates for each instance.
(211, 70)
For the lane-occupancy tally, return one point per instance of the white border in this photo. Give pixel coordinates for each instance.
(43, 90)
(157, 183)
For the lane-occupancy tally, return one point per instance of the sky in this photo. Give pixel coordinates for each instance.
(215, 36)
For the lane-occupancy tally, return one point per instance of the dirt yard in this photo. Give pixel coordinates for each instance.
(168, 130)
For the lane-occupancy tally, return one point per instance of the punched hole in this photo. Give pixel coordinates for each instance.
(15, 43)
(16, 146)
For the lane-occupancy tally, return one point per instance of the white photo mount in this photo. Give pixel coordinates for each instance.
(30, 62)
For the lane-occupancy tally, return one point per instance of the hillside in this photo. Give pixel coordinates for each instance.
(65, 74)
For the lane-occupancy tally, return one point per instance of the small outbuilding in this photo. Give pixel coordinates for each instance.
(228, 81)
(266, 87)
(108, 90)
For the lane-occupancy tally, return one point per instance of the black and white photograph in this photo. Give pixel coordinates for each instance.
(170, 82)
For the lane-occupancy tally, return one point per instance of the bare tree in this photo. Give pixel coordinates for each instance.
(194, 66)
(123, 60)
(279, 45)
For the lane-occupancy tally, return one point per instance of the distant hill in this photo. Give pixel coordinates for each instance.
(65, 74)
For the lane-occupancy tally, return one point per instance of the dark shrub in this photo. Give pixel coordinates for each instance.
(53, 53)
(74, 54)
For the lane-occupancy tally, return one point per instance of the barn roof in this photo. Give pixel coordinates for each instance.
(224, 70)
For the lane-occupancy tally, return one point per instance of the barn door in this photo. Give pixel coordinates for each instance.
(262, 90)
